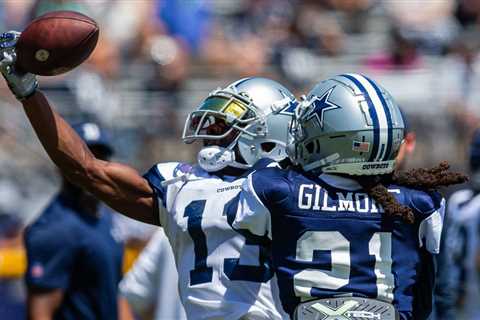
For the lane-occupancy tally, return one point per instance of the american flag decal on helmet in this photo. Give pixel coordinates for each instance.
(361, 146)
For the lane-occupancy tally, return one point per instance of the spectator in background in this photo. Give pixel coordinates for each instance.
(164, 63)
(462, 66)
(151, 286)
(169, 60)
(457, 290)
(466, 49)
(430, 23)
(467, 12)
(95, 86)
(74, 263)
(402, 54)
(41, 7)
(12, 302)
(458, 82)
(13, 13)
(310, 35)
(356, 13)
(187, 20)
(320, 29)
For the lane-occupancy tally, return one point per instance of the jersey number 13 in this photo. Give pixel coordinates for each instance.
(232, 268)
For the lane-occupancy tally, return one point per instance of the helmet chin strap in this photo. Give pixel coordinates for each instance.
(215, 158)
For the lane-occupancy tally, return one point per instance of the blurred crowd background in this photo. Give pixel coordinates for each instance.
(156, 60)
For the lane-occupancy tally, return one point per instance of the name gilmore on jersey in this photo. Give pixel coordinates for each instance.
(310, 198)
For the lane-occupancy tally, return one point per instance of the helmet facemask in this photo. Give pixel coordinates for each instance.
(239, 125)
(234, 110)
(220, 121)
(297, 150)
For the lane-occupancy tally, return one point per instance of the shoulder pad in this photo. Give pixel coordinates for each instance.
(265, 163)
(425, 202)
(182, 168)
(167, 170)
(162, 172)
(270, 185)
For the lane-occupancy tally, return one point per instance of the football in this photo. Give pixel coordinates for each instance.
(56, 43)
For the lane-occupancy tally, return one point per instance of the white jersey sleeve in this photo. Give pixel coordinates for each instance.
(251, 213)
(152, 283)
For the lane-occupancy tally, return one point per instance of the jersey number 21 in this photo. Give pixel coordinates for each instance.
(380, 246)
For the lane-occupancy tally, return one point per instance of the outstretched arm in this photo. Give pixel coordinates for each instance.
(118, 185)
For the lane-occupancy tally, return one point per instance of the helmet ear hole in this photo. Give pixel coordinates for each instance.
(267, 146)
(310, 146)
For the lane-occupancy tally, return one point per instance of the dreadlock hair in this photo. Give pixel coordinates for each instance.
(419, 178)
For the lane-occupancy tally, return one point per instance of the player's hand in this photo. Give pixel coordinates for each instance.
(22, 84)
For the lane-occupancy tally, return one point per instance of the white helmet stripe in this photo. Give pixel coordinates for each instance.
(382, 117)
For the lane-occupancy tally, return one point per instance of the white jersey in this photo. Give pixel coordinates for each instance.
(222, 275)
(151, 284)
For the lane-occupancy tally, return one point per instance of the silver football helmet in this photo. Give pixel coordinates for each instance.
(347, 124)
(249, 118)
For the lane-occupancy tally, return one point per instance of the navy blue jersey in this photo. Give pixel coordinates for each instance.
(330, 239)
(75, 252)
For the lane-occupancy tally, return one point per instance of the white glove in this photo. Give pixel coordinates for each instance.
(22, 84)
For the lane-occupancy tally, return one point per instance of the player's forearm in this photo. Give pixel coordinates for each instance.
(119, 186)
(66, 149)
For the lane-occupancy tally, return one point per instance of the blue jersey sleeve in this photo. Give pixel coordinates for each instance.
(447, 282)
(432, 208)
(423, 290)
(429, 209)
(155, 179)
(261, 193)
(264, 163)
(272, 187)
(51, 257)
(161, 177)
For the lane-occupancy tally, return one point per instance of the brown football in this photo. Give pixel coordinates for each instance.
(56, 43)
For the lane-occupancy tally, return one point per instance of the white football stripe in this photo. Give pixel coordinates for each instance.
(382, 117)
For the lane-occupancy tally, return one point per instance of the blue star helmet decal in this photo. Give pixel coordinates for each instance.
(321, 105)
(288, 103)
